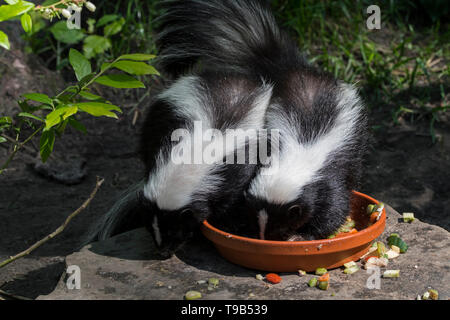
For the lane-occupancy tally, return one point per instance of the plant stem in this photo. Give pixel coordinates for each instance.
(58, 230)
(17, 143)
(17, 148)
(56, 4)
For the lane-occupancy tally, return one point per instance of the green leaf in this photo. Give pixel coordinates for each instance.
(105, 66)
(106, 19)
(2, 140)
(94, 45)
(90, 96)
(98, 109)
(49, 2)
(13, 10)
(27, 23)
(79, 63)
(59, 115)
(38, 97)
(5, 120)
(77, 125)
(137, 57)
(121, 81)
(46, 144)
(114, 28)
(66, 35)
(60, 130)
(29, 115)
(11, 1)
(137, 68)
(4, 41)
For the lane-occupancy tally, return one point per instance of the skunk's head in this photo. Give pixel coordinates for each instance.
(305, 186)
(279, 221)
(170, 229)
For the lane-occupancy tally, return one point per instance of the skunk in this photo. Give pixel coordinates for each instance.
(179, 192)
(321, 120)
(179, 196)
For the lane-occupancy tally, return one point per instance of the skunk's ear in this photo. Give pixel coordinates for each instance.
(295, 211)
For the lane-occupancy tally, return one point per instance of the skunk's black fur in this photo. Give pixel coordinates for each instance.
(321, 120)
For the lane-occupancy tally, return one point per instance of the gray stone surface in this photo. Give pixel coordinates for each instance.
(126, 267)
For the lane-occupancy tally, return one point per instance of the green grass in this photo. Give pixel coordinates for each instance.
(402, 68)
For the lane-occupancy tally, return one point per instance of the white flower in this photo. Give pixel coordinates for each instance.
(90, 6)
(66, 13)
(47, 14)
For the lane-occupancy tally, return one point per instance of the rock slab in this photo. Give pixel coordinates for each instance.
(127, 267)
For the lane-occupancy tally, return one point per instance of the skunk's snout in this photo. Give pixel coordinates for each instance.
(280, 223)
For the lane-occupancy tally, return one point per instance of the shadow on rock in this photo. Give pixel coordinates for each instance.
(198, 253)
(37, 282)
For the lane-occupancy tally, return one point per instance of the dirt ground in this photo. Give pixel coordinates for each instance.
(403, 167)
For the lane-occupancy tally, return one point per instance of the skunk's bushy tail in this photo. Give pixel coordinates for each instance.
(123, 215)
(236, 35)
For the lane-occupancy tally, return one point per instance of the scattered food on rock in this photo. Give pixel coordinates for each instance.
(273, 278)
(351, 270)
(434, 295)
(192, 295)
(321, 271)
(391, 274)
(312, 282)
(394, 239)
(214, 282)
(408, 217)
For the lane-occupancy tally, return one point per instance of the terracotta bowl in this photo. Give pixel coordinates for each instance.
(290, 256)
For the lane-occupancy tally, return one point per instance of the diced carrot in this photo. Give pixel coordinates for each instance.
(353, 231)
(374, 217)
(367, 258)
(273, 278)
(325, 277)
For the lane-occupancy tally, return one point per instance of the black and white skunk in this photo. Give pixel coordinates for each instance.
(179, 195)
(195, 113)
(321, 120)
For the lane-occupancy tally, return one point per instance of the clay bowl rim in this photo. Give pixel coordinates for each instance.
(352, 240)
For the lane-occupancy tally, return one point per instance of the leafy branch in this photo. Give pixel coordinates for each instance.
(64, 107)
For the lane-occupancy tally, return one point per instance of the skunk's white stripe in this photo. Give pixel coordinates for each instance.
(299, 163)
(262, 222)
(156, 231)
(173, 185)
(185, 95)
(256, 116)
